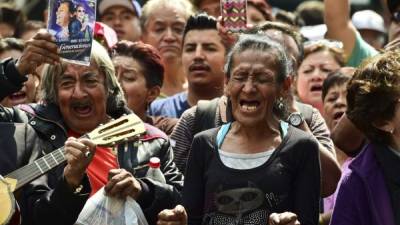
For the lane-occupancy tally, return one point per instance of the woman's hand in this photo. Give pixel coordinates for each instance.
(40, 49)
(79, 154)
(121, 184)
(176, 216)
(286, 218)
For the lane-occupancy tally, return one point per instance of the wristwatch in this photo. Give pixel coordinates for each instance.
(295, 119)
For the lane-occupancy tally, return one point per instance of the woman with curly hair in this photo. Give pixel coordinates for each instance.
(369, 190)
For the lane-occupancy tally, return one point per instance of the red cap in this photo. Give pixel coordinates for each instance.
(154, 162)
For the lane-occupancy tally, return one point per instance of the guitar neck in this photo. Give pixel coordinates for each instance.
(121, 130)
(39, 167)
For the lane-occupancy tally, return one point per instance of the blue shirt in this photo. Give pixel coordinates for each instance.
(172, 106)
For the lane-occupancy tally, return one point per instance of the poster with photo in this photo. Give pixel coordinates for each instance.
(71, 22)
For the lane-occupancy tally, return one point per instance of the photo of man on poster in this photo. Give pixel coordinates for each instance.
(63, 18)
(71, 22)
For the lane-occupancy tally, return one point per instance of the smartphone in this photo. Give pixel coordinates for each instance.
(233, 14)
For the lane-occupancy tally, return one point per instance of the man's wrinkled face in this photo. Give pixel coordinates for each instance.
(82, 95)
(164, 30)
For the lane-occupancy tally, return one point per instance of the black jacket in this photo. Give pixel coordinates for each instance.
(48, 200)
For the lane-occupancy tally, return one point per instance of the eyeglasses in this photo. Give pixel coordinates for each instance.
(396, 17)
(325, 42)
(81, 10)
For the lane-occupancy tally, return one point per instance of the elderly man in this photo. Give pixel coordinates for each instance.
(76, 99)
(163, 22)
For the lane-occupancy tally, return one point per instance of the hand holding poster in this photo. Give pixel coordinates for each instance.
(72, 24)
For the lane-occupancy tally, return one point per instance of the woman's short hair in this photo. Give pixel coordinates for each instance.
(373, 93)
(335, 78)
(335, 48)
(147, 56)
(115, 99)
(151, 5)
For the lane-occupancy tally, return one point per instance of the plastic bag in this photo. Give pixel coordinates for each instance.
(104, 210)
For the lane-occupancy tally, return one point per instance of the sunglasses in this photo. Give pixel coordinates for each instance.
(396, 17)
(325, 42)
(81, 10)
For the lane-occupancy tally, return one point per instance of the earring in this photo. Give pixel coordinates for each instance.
(280, 103)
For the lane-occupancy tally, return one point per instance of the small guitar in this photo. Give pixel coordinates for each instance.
(121, 130)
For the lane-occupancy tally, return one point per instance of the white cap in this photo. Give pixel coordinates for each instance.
(313, 33)
(132, 5)
(368, 19)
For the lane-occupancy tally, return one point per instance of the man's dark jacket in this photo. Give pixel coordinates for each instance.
(49, 200)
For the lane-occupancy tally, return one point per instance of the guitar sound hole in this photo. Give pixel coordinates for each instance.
(119, 134)
(113, 126)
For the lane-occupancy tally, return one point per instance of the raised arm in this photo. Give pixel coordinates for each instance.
(38, 50)
(338, 22)
(347, 137)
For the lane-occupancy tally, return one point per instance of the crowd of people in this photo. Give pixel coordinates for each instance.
(296, 120)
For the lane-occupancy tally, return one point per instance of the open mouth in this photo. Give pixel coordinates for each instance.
(316, 87)
(249, 106)
(82, 109)
(120, 33)
(338, 115)
(19, 96)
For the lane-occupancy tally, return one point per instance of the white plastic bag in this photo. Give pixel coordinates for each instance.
(104, 210)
